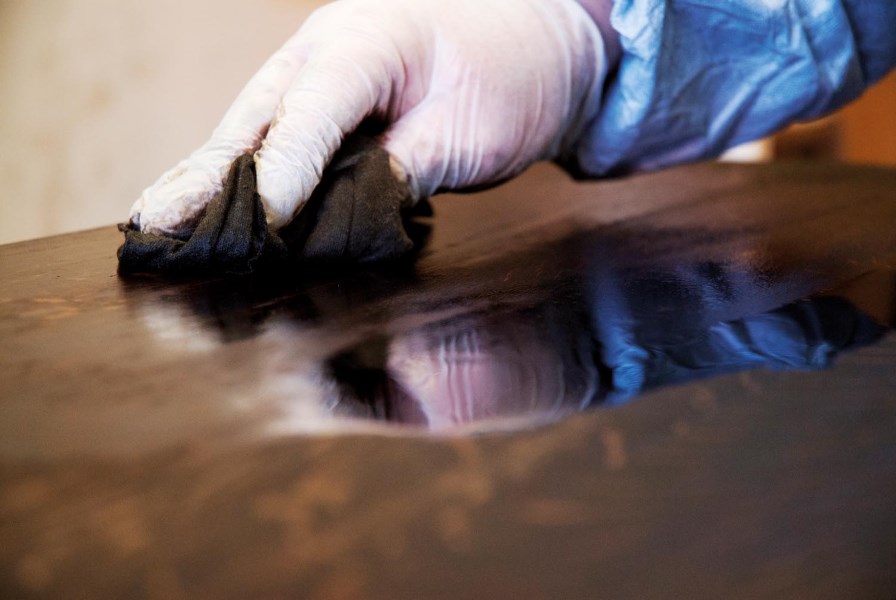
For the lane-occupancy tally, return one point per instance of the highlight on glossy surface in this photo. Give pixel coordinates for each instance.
(600, 333)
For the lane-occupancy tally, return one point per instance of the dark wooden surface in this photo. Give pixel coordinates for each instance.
(418, 431)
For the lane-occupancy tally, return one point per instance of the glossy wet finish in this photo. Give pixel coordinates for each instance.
(154, 434)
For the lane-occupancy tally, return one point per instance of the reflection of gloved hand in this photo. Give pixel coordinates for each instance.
(472, 91)
(508, 367)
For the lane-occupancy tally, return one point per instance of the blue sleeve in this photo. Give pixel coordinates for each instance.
(699, 76)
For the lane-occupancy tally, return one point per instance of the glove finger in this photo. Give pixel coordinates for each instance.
(334, 92)
(440, 146)
(174, 202)
(417, 144)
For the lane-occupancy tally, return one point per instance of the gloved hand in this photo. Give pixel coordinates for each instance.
(472, 92)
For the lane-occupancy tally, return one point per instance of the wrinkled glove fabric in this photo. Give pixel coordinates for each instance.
(358, 213)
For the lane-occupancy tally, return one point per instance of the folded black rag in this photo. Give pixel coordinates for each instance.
(358, 213)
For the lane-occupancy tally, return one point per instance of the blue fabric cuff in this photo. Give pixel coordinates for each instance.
(699, 76)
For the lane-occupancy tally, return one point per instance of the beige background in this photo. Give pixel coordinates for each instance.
(98, 97)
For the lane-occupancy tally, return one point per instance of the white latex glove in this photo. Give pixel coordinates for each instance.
(473, 91)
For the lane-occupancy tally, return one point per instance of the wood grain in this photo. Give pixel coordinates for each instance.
(168, 439)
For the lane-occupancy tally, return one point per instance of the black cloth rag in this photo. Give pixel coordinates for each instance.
(358, 213)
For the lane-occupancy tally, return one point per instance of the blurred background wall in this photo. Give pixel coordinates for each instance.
(98, 97)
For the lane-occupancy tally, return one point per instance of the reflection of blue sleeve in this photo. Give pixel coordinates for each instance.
(699, 76)
(804, 335)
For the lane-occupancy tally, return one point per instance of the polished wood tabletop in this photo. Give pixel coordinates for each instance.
(673, 385)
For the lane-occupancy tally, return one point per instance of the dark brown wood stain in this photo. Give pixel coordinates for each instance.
(161, 439)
